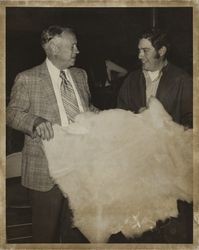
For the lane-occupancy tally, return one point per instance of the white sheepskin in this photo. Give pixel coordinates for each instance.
(121, 171)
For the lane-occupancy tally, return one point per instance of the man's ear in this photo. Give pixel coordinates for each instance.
(162, 51)
(54, 47)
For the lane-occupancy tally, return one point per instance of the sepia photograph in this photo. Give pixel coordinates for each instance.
(99, 125)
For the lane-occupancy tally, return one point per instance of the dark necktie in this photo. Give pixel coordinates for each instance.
(68, 97)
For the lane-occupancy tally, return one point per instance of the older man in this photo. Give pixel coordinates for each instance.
(49, 93)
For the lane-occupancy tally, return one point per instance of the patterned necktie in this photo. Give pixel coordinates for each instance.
(68, 97)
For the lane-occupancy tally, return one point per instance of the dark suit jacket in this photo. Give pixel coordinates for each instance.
(33, 96)
(175, 92)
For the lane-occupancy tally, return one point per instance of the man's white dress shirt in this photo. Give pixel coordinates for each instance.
(56, 81)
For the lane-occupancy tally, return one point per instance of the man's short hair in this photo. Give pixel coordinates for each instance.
(157, 38)
(53, 31)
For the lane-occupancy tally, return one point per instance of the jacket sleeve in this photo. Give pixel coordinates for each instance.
(123, 96)
(18, 114)
(91, 106)
(186, 107)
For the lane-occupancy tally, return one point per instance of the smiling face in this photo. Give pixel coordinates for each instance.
(151, 59)
(65, 50)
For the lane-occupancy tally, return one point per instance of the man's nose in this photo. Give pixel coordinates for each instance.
(76, 50)
(140, 54)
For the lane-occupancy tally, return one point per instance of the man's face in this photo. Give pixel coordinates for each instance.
(67, 49)
(150, 58)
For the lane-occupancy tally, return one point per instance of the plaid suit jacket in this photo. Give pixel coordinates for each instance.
(32, 96)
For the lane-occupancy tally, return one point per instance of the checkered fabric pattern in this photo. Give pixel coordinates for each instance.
(33, 96)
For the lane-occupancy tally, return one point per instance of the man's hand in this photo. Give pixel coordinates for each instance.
(44, 128)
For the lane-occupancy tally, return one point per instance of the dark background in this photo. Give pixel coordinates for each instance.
(102, 33)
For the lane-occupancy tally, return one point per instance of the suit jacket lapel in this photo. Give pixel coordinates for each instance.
(164, 84)
(142, 90)
(79, 84)
(46, 84)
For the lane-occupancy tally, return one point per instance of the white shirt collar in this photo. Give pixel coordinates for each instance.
(53, 70)
(153, 74)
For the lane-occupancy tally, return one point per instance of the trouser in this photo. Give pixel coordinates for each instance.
(47, 210)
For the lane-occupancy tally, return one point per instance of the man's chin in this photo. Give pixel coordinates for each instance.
(71, 64)
(147, 68)
(144, 67)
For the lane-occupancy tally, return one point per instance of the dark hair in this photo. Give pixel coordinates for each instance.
(53, 31)
(157, 38)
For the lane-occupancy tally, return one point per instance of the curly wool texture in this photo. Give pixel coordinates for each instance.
(121, 171)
